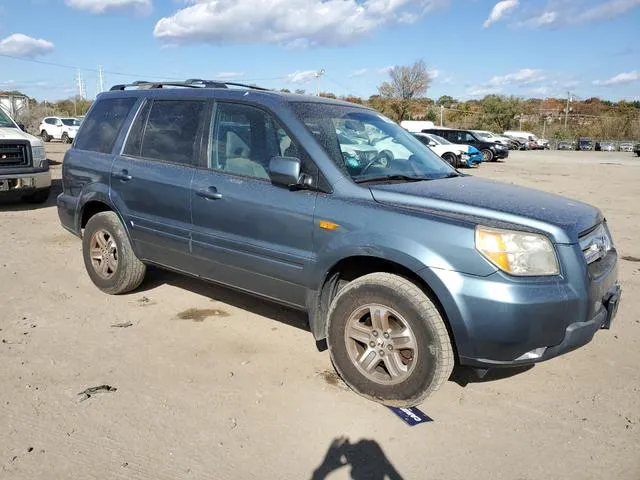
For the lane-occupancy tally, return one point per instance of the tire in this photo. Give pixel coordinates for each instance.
(45, 136)
(487, 154)
(123, 271)
(65, 138)
(428, 366)
(451, 159)
(39, 196)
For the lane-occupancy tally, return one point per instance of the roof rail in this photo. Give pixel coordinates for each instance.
(190, 83)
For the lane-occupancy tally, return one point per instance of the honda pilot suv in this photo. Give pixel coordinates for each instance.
(404, 265)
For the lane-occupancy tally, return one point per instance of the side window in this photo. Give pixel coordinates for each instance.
(134, 140)
(468, 137)
(171, 132)
(103, 123)
(50, 121)
(245, 138)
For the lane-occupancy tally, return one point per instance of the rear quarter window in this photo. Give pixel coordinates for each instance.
(103, 123)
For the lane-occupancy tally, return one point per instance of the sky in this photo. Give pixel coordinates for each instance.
(472, 48)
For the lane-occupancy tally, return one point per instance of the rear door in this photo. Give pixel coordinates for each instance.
(247, 232)
(151, 178)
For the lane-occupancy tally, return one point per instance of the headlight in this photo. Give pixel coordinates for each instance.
(39, 156)
(517, 253)
(464, 156)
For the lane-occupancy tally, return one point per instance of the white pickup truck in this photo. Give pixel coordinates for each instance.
(24, 168)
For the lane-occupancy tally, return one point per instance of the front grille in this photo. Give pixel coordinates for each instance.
(596, 244)
(14, 154)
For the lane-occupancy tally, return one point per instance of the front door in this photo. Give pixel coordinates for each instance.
(247, 232)
(151, 180)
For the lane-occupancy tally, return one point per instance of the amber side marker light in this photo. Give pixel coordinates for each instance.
(326, 225)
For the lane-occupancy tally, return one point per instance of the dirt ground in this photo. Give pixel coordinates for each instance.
(212, 384)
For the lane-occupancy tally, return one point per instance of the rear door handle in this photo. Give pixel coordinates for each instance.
(210, 193)
(123, 176)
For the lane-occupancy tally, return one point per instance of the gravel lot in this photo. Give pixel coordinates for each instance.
(215, 384)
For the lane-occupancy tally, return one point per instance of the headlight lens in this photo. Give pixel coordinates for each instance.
(39, 156)
(517, 253)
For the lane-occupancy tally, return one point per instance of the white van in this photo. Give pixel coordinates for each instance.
(24, 168)
(416, 126)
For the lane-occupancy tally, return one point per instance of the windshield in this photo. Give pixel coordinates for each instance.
(439, 140)
(369, 146)
(70, 122)
(5, 121)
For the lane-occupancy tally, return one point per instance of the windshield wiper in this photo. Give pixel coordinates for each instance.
(383, 178)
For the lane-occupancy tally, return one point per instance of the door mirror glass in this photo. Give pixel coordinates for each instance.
(285, 171)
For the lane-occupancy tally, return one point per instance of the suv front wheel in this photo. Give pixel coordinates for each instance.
(388, 341)
(108, 257)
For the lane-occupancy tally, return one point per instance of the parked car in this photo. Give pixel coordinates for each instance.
(584, 143)
(522, 143)
(532, 141)
(564, 145)
(59, 128)
(492, 137)
(404, 267)
(626, 147)
(24, 168)
(451, 152)
(491, 151)
(636, 149)
(606, 146)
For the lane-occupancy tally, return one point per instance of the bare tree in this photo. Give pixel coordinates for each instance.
(406, 83)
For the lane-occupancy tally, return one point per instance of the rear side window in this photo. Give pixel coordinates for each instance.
(172, 131)
(101, 127)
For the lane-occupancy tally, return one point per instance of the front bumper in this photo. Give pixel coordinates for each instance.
(26, 180)
(500, 321)
(501, 154)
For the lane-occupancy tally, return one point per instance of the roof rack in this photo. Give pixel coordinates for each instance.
(190, 83)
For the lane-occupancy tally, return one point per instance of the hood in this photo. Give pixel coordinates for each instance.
(564, 219)
(7, 133)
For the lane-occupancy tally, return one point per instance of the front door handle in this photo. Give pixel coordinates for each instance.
(123, 176)
(210, 193)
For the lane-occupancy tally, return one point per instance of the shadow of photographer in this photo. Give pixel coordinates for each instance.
(366, 458)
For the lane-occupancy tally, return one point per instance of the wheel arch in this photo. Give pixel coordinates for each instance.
(354, 266)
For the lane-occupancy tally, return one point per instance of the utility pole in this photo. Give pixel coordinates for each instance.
(566, 110)
(100, 80)
(80, 84)
(441, 114)
(317, 75)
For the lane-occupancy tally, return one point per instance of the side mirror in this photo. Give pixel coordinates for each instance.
(285, 171)
(58, 123)
(432, 143)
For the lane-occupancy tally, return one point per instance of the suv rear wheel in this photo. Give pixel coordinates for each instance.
(387, 340)
(452, 159)
(45, 136)
(108, 257)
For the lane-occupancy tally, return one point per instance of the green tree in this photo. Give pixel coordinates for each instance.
(446, 101)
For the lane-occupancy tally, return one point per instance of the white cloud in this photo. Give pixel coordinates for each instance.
(499, 10)
(21, 45)
(298, 23)
(619, 79)
(540, 90)
(568, 12)
(229, 75)
(524, 76)
(301, 76)
(434, 73)
(482, 90)
(99, 7)
(359, 73)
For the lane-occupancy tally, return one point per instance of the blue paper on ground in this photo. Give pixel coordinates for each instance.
(412, 416)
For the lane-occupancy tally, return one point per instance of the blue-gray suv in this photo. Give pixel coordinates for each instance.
(404, 265)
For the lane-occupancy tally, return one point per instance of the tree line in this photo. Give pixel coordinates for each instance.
(403, 96)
